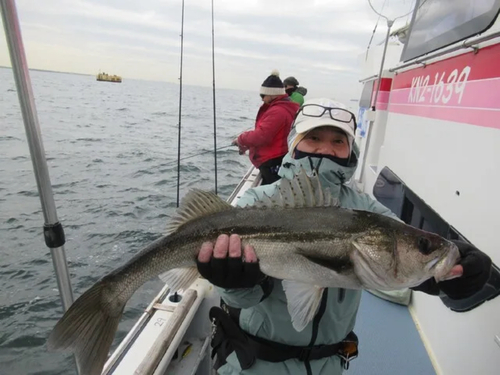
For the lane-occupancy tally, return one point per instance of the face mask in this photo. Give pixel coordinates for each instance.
(340, 161)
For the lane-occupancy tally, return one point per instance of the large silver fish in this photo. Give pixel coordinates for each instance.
(299, 236)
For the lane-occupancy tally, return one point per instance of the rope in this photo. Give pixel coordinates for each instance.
(373, 32)
(404, 15)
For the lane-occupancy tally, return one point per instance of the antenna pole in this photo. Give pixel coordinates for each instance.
(389, 25)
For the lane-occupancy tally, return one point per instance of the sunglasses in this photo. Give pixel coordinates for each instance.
(262, 96)
(337, 114)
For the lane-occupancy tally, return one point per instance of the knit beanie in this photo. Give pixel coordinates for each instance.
(272, 85)
(291, 81)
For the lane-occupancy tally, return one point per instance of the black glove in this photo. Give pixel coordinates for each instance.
(477, 269)
(231, 273)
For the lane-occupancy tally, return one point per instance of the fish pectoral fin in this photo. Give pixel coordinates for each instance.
(337, 264)
(303, 302)
(180, 278)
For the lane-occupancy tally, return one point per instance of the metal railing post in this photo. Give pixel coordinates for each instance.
(53, 230)
(374, 103)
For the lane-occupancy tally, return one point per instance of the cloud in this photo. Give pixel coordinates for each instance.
(318, 41)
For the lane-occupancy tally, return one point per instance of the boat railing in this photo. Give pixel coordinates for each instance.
(251, 179)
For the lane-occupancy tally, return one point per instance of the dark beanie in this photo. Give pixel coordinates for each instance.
(291, 81)
(272, 85)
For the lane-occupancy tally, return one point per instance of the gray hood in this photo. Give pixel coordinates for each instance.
(331, 174)
(301, 90)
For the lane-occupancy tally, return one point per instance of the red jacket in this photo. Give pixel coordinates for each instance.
(273, 123)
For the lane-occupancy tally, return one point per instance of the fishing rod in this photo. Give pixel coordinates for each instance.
(200, 153)
(180, 109)
(206, 152)
(213, 94)
(217, 149)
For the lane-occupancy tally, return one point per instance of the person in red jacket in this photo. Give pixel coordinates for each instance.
(268, 142)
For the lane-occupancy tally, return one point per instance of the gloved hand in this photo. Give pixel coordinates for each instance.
(241, 149)
(229, 272)
(476, 268)
(476, 272)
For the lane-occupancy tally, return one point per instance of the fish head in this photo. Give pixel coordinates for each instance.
(393, 258)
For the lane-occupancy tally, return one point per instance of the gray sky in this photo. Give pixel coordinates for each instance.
(317, 41)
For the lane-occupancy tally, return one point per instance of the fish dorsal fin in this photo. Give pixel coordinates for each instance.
(298, 194)
(301, 191)
(197, 203)
(316, 188)
(267, 201)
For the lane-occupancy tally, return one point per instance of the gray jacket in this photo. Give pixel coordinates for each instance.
(270, 319)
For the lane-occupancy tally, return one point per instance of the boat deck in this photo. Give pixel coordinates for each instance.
(389, 341)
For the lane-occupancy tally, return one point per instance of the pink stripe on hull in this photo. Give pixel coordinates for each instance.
(489, 118)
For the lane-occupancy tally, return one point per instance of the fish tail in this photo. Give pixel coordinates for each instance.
(88, 327)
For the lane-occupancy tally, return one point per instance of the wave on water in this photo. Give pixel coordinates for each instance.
(90, 139)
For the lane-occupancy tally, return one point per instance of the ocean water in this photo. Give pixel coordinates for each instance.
(111, 150)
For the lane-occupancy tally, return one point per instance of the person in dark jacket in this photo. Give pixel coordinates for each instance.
(267, 143)
(294, 91)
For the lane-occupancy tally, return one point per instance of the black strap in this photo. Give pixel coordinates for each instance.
(272, 351)
(230, 337)
(267, 286)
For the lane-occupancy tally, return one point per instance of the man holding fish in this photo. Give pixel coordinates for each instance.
(322, 140)
(289, 265)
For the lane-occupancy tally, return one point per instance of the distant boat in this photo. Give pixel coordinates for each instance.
(109, 78)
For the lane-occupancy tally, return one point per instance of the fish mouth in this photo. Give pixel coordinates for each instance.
(443, 265)
(435, 262)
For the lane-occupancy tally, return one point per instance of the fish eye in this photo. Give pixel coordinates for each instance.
(424, 245)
